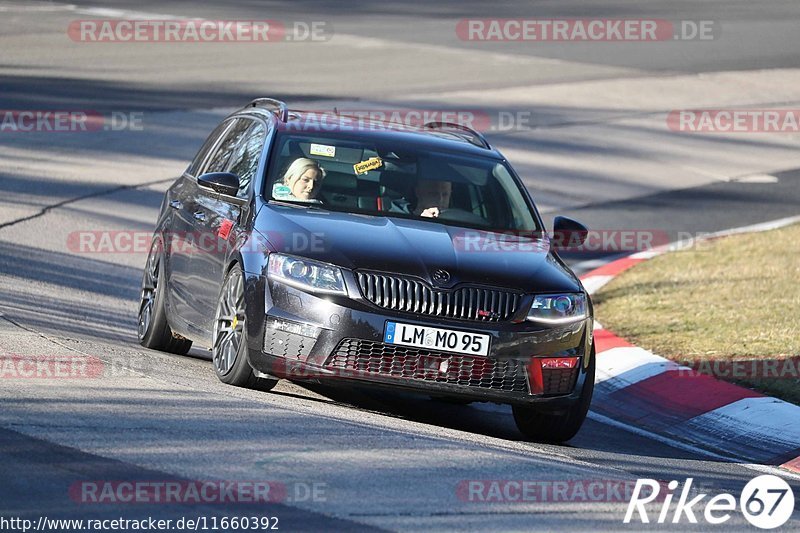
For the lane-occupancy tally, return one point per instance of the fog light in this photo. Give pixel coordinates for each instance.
(289, 339)
(538, 366)
(559, 362)
(306, 330)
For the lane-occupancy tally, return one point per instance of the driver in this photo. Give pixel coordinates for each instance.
(432, 197)
(302, 179)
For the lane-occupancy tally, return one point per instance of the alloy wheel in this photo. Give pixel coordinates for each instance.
(149, 292)
(229, 324)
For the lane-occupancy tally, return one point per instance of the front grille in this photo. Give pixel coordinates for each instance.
(415, 296)
(369, 357)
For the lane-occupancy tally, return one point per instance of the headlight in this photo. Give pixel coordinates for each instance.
(558, 308)
(306, 274)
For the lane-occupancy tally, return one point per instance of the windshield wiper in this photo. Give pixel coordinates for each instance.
(299, 203)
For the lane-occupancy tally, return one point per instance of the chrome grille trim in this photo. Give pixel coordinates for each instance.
(410, 295)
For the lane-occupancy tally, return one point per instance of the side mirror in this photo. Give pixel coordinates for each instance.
(568, 233)
(221, 182)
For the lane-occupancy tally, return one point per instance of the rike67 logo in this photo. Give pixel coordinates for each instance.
(767, 502)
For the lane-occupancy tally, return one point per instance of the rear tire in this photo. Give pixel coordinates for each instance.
(229, 351)
(543, 426)
(154, 331)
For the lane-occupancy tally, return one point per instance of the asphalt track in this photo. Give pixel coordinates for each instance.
(385, 461)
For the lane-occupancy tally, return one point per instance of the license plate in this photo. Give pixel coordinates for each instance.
(445, 340)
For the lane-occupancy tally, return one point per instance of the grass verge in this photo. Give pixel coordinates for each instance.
(728, 307)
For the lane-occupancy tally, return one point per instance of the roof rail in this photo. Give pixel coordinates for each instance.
(475, 138)
(278, 107)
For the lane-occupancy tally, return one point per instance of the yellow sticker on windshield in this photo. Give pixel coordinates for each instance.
(370, 164)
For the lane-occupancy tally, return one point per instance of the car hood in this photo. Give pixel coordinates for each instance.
(416, 248)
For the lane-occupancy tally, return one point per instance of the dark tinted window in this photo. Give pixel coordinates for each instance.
(197, 162)
(222, 154)
(244, 162)
(383, 178)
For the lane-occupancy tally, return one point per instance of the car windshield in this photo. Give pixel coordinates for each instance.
(383, 178)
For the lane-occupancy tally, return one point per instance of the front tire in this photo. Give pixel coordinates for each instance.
(541, 426)
(154, 331)
(229, 351)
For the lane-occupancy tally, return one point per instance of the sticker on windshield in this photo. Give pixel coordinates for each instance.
(322, 149)
(280, 190)
(370, 164)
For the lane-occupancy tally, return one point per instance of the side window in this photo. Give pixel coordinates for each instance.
(197, 162)
(225, 149)
(244, 162)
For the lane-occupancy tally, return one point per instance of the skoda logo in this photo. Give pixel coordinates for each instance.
(441, 276)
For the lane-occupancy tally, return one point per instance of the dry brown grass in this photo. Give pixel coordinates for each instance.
(736, 298)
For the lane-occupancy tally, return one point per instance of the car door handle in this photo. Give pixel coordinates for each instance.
(176, 204)
(200, 216)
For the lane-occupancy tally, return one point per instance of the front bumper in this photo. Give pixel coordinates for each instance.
(332, 340)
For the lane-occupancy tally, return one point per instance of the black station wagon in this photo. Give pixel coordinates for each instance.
(349, 251)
